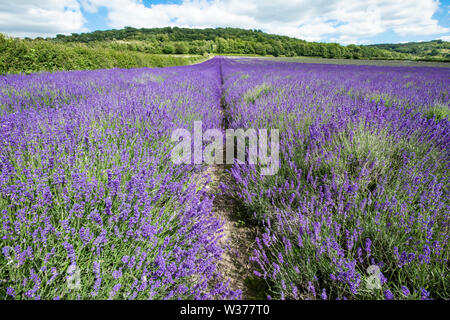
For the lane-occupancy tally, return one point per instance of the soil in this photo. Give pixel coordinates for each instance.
(238, 239)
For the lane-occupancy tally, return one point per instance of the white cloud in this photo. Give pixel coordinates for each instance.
(40, 18)
(445, 38)
(343, 21)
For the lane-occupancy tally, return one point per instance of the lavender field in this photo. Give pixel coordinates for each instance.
(92, 207)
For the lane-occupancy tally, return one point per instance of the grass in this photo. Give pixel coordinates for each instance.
(438, 112)
(255, 93)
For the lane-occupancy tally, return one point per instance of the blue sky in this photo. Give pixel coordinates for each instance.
(441, 15)
(343, 21)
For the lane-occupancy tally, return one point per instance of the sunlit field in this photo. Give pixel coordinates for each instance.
(92, 207)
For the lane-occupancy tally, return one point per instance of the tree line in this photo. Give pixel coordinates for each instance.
(430, 49)
(221, 41)
(24, 56)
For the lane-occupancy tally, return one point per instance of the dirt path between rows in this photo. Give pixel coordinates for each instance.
(238, 240)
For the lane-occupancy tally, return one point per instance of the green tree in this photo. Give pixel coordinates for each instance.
(181, 48)
(434, 52)
(222, 45)
(260, 49)
(168, 48)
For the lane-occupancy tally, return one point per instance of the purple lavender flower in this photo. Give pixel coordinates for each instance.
(117, 274)
(311, 288)
(405, 291)
(324, 294)
(425, 295)
(368, 247)
(11, 292)
(388, 295)
(114, 290)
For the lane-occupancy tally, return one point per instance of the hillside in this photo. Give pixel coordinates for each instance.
(434, 50)
(160, 47)
(26, 56)
(222, 41)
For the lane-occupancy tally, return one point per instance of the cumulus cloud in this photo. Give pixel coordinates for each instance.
(40, 17)
(342, 21)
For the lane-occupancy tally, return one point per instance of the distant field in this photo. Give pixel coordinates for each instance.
(406, 63)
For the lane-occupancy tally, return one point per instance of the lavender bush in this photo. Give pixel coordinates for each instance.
(87, 184)
(363, 181)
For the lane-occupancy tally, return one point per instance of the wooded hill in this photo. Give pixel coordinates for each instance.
(428, 49)
(222, 41)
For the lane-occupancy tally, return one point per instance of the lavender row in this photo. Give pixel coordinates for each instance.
(359, 208)
(91, 206)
